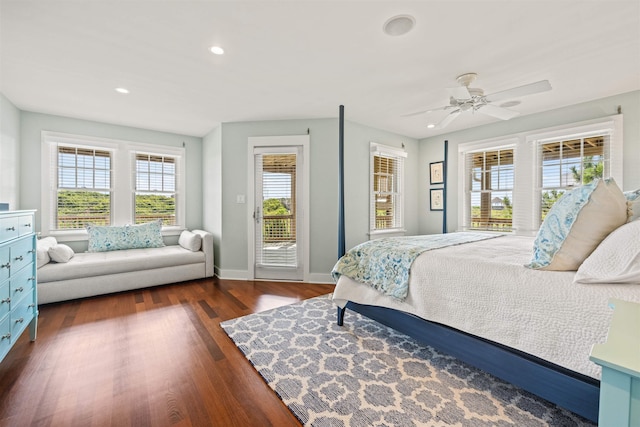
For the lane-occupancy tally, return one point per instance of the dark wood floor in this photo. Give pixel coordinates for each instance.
(154, 357)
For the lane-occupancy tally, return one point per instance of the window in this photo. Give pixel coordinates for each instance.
(490, 178)
(510, 184)
(84, 187)
(569, 163)
(103, 182)
(155, 195)
(387, 188)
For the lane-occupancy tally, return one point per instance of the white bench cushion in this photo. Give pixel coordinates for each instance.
(123, 261)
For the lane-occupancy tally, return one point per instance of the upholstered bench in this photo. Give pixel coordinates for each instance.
(95, 273)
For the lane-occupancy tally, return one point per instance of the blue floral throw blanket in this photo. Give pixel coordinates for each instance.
(384, 263)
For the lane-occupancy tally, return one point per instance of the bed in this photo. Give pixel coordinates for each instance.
(533, 328)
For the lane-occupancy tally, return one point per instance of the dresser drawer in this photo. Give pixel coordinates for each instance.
(20, 317)
(9, 228)
(25, 225)
(5, 262)
(20, 286)
(5, 299)
(5, 335)
(22, 254)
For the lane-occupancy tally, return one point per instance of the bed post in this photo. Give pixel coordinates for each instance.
(444, 185)
(341, 237)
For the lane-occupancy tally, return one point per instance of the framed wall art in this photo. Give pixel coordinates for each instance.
(436, 173)
(437, 199)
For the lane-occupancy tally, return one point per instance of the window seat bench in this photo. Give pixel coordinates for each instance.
(96, 273)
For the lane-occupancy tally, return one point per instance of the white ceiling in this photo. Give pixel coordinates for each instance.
(302, 59)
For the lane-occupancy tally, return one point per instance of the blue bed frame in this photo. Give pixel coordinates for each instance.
(570, 390)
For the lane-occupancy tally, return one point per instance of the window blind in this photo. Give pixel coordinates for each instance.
(489, 178)
(83, 193)
(155, 191)
(276, 236)
(386, 199)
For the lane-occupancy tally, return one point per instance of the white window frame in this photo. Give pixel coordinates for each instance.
(400, 155)
(122, 182)
(527, 166)
(464, 190)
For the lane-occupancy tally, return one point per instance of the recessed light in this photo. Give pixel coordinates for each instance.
(216, 50)
(122, 90)
(399, 25)
(431, 126)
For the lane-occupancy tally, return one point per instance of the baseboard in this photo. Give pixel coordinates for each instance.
(244, 275)
(321, 278)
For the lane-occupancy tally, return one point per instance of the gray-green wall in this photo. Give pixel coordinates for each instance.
(431, 149)
(9, 154)
(230, 142)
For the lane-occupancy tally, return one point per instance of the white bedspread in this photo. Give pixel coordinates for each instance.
(483, 288)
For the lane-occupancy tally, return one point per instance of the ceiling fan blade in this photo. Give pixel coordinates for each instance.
(426, 111)
(497, 112)
(516, 92)
(448, 119)
(460, 92)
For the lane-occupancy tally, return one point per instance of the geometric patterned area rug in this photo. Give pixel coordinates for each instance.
(366, 374)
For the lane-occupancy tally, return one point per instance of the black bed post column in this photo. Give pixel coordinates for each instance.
(341, 236)
(444, 185)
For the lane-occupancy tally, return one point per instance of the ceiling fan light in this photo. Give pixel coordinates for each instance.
(399, 25)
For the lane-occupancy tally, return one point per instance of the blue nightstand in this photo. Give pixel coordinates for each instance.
(620, 361)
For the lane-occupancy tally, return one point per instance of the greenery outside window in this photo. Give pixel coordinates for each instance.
(84, 187)
(570, 163)
(387, 189)
(155, 195)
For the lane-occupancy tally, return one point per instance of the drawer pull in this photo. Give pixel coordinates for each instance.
(31, 305)
(7, 265)
(7, 300)
(6, 336)
(11, 229)
(27, 225)
(20, 320)
(18, 258)
(31, 278)
(32, 251)
(20, 289)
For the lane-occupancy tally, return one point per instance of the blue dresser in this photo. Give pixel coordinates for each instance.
(18, 298)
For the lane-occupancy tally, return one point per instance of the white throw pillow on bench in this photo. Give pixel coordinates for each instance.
(189, 240)
(60, 253)
(42, 250)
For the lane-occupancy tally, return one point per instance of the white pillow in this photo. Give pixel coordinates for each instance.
(577, 223)
(42, 250)
(189, 240)
(61, 253)
(615, 260)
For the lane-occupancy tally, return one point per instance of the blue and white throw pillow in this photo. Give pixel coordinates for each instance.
(106, 238)
(633, 202)
(147, 235)
(577, 223)
(114, 238)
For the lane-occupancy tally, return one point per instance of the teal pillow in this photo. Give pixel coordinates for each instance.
(577, 223)
(114, 238)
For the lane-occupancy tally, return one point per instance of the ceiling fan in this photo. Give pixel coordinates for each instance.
(465, 98)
